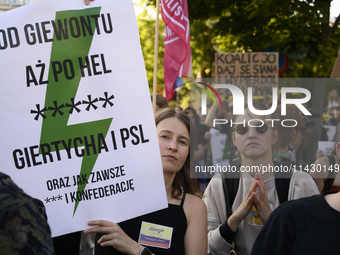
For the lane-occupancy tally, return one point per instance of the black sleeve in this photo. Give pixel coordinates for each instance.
(227, 233)
(275, 235)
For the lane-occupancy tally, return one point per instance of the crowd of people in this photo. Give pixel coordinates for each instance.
(250, 212)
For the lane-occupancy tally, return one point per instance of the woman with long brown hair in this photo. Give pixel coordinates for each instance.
(186, 215)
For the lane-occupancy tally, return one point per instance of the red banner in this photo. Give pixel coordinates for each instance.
(177, 51)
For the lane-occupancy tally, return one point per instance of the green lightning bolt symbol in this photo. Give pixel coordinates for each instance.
(55, 128)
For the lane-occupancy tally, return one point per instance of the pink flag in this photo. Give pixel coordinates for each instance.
(177, 51)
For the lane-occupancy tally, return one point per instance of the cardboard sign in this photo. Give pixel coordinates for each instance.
(77, 126)
(259, 70)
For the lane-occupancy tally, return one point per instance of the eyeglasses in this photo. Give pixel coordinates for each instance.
(260, 128)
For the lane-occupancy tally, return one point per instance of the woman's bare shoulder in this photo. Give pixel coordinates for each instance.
(194, 204)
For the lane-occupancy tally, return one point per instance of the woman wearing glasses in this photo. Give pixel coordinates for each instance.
(256, 196)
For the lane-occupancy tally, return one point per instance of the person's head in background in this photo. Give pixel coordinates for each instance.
(333, 101)
(192, 115)
(333, 95)
(254, 138)
(160, 101)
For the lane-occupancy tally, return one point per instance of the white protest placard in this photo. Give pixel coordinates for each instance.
(77, 126)
(326, 147)
(331, 130)
(217, 142)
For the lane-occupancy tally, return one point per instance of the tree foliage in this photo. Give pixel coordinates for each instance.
(146, 24)
(298, 28)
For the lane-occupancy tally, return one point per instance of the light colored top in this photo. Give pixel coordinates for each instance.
(304, 186)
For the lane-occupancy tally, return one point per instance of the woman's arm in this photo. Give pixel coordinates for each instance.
(217, 214)
(114, 236)
(211, 116)
(195, 239)
(220, 228)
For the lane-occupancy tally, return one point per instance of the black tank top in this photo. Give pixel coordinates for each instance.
(164, 228)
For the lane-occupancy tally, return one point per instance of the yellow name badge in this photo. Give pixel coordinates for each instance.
(155, 235)
(254, 218)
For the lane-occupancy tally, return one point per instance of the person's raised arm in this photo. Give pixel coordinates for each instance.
(222, 227)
